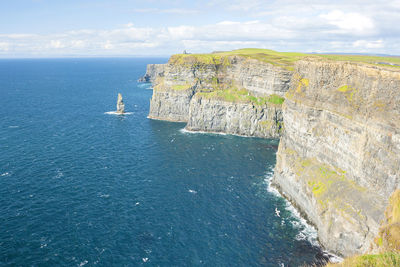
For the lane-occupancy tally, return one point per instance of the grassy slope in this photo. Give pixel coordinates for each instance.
(388, 259)
(282, 59)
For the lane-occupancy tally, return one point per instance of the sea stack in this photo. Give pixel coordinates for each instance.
(120, 105)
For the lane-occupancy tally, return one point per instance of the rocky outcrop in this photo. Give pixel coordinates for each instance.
(169, 104)
(213, 115)
(120, 104)
(338, 159)
(258, 77)
(177, 94)
(153, 71)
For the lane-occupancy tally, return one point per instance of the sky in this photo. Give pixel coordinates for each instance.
(75, 28)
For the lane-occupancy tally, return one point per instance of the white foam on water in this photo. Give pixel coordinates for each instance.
(104, 195)
(83, 263)
(145, 259)
(117, 113)
(5, 174)
(185, 131)
(192, 191)
(307, 231)
(199, 132)
(59, 174)
(145, 85)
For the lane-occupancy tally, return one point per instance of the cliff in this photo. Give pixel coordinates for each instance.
(228, 93)
(152, 72)
(338, 159)
(339, 122)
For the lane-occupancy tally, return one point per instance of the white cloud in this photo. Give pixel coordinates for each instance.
(368, 44)
(180, 11)
(284, 25)
(56, 44)
(353, 23)
(4, 46)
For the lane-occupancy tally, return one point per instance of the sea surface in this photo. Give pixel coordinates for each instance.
(83, 187)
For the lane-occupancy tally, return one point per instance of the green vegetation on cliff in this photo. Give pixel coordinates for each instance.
(388, 238)
(388, 259)
(330, 187)
(181, 87)
(284, 60)
(375, 60)
(234, 94)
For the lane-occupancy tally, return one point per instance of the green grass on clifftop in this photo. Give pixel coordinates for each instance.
(284, 60)
(392, 62)
(281, 59)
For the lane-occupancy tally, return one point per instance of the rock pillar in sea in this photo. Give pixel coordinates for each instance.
(120, 104)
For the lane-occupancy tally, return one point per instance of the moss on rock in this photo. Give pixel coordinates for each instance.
(389, 234)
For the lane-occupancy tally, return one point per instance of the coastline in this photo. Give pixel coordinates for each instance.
(317, 147)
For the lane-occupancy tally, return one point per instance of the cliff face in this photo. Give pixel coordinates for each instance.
(338, 158)
(231, 95)
(213, 115)
(153, 71)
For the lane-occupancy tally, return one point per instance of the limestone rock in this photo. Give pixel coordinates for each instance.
(152, 72)
(175, 95)
(120, 104)
(214, 115)
(338, 158)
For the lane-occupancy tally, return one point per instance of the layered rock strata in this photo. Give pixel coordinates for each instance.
(152, 72)
(338, 159)
(213, 115)
(182, 93)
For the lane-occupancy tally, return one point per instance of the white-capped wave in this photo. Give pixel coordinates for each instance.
(117, 113)
(59, 174)
(5, 174)
(185, 131)
(192, 191)
(83, 263)
(144, 85)
(306, 231)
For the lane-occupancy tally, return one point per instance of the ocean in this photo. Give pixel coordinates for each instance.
(83, 187)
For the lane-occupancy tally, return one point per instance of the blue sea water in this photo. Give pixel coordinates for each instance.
(79, 187)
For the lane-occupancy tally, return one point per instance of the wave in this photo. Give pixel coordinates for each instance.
(145, 86)
(185, 131)
(116, 113)
(306, 231)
